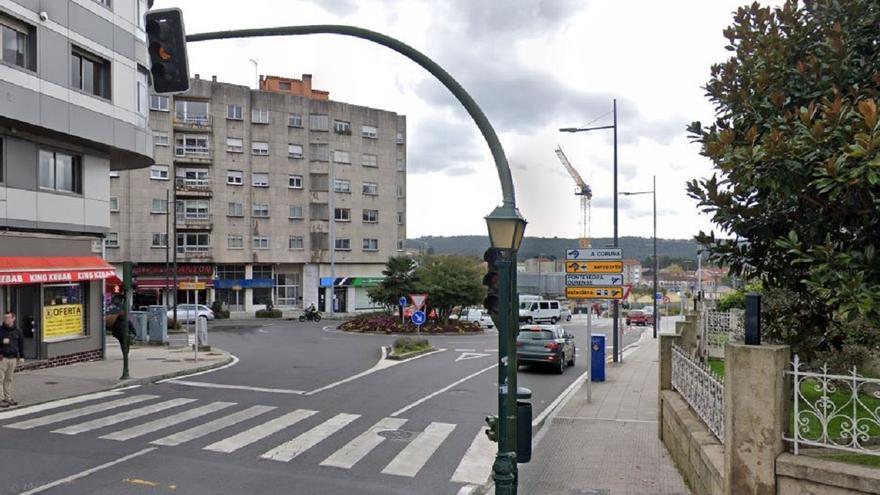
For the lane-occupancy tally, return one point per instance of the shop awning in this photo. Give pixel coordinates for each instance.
(53, 269)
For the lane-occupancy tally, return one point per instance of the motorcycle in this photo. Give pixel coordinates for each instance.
(310, 316)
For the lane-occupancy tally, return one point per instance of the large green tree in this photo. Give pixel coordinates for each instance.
(796, 188)
(400, 280)
(450, 281)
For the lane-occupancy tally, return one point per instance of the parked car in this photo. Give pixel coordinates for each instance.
(546, 344)
(477, 316)
(187, 313)
(540, 311)
(639, 317)
(565, 314)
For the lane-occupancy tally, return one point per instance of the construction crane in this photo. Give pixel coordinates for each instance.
(585, 193)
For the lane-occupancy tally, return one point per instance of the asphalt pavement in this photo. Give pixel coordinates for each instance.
(305, 408)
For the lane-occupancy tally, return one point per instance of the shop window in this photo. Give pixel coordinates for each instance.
(64, 311)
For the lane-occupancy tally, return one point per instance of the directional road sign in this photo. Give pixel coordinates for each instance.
(594, 254)
(402, 301)
(418, 318)
(594, 267)
(594, 292)
(592, 279)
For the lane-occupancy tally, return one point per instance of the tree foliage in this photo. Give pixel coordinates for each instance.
(451, 281)
(795, 150)
(400, 280)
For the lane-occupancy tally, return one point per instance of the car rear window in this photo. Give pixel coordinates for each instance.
(527, 334)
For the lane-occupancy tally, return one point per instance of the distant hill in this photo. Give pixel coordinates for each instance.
(554, 247)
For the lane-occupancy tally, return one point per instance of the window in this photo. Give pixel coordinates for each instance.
(161, 139)
(294, 151)
(370, 132)
(112, 240)
(294, 120)
(262, 272)
(287, 289)
(343, 244)
(399, 138)
(295, 242)
(260, 148)
(284, 85)
(371, 216)
(60, 172)
(89, 73)
(235, 242)
(295, 181)
(261, 210)
(400, 191)
(193, 243)
(114, 204)
(193, 210)
(370, 189)
(142, 94)
(400, 245)
(113, 174)
(159, 240)
(191, 144)
(295, 212)
(371, 244)
(159, 172)
(400, 218)
(234, 145)
(260, 179)
(192, 112)
(342, 127)
(342, 185)
(260, 115)
(342, 214)
(340, 156)
(319, 122)
(105, 3)
(235, 209)
(234, 177)
(233, 112)
(368, 160)
(158, 205)
(159, 103)
(230, 272)
(261, 242)
(18, 43)
(319, 152)
(400, 165)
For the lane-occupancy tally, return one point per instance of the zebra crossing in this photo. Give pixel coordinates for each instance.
(172, 422)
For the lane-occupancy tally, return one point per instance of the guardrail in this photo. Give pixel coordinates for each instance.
(701, 388)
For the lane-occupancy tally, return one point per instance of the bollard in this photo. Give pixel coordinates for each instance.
(753, 319)
(523, 425)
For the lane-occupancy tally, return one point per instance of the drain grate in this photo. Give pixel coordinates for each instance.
(396, 434)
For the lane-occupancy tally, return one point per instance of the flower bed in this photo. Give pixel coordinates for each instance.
(388, 324)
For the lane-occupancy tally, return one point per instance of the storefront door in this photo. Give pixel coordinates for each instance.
(26, 304)
(341, 299)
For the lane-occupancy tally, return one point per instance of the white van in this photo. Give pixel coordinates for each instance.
(540, 310)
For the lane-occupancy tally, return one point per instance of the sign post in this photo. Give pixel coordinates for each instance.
(595, 274)
(402, 303)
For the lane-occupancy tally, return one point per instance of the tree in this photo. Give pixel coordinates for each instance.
(400, 280)
(795, 150)
(450, 281)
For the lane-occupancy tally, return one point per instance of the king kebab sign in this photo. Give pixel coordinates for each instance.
(594, 273)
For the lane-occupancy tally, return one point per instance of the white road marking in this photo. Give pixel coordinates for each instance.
(260, 432)
(119, 418)
(467, 490)
(289, 450)
(565, 393)
(261, 330)
(381, 365)
(414, 456)
(173, 420)
(24, 411)
(240, 387)
(87, 472)
(353, 451)
(470, 355)
(234, 361)
(438, 392)
(83, 411)
(465, 350)
(476, 465)
(212, 426)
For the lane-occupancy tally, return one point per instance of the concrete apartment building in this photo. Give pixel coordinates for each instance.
(73, 107)
(263, 180)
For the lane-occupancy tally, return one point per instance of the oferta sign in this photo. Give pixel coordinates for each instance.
(62, 321)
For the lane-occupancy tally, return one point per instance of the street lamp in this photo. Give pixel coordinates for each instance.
(506, 228)
(616, 304)
(652, 192)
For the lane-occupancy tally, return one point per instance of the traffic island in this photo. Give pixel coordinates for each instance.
(405, 348)
(391, 324)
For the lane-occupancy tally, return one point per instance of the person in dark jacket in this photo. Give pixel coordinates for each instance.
(118, 330)
(11, 349)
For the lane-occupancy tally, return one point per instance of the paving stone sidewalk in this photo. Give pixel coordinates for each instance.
(609, 446)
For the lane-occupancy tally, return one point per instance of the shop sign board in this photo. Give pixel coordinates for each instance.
(62, 320)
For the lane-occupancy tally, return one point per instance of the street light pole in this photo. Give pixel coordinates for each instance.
(615, 338)
(652, 192)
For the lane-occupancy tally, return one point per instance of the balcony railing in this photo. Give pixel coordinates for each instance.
(198, 154)
(191, 252)
(193, 121)
(198, 187)
(194, 220)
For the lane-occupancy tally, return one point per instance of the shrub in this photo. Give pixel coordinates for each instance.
(388, 324)
(405, 345)
(269, 313)
(220, 311)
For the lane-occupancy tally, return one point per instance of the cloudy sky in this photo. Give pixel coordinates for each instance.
(533, 66)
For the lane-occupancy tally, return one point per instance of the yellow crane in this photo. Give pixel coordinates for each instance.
(585, 193)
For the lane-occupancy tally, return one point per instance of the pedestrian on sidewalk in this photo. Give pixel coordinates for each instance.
(118, 330)
(11, 352)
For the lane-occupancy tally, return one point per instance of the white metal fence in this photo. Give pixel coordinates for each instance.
(701, 388)
(840, 412)
(719, 327)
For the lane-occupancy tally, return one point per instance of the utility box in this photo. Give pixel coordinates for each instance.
(202, 331)
(597, 357)
(139, 320)
(523, 425)
(157, 324)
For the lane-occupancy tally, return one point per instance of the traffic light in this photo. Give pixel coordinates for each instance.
(166, 43)
(492, 431)
(491, 280)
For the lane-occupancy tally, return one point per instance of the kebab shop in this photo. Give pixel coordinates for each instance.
(58, 302)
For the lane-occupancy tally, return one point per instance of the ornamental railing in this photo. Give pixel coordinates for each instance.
(701, 388)
(718, 328)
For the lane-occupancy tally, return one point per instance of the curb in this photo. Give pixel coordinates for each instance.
(174, 374)
(409, 355)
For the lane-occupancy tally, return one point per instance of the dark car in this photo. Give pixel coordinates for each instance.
(545, 344)
(639, 317)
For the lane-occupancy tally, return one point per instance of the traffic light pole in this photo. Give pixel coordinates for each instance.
(504, 470)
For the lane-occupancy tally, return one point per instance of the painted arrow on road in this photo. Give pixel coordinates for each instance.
(470, 355)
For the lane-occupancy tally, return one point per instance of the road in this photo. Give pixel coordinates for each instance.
(306, 409)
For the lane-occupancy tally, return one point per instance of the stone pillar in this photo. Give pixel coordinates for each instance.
(757, 403)
(310, 281)
(248, 292)
(665, 374)
(688, 330)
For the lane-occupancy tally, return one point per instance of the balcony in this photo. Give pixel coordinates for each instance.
(188, 122)
(194, 252)
(194, 221)
(193, 154)
(186, 186)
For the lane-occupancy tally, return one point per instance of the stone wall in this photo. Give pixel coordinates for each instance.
(698, 455)
(78, 357)
(804, 475)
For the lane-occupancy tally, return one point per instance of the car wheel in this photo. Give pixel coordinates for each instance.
(571, 361)
(561, 368)
(531, 320)
(568, 318)
(553, 320)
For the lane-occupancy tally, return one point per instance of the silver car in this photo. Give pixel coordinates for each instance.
(545, 344)
(187, 313)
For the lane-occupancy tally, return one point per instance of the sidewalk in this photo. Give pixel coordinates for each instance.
(609, 446)
(146, 364)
